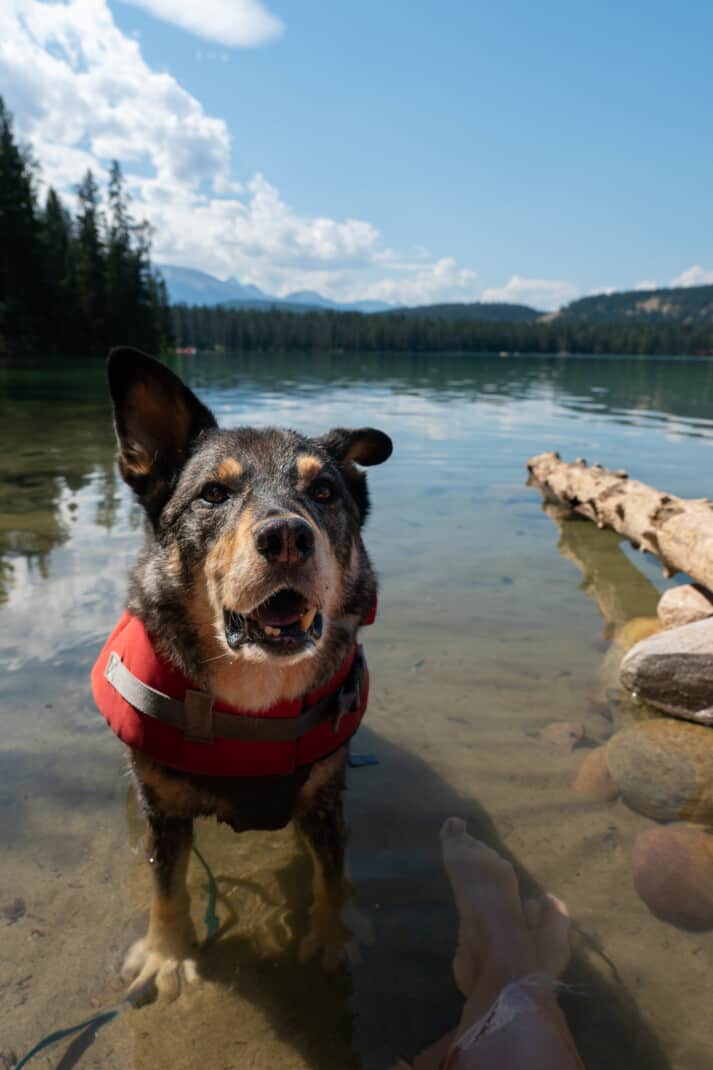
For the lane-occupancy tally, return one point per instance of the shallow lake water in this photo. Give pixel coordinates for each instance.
(497, 618)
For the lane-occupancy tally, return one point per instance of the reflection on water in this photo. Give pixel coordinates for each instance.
(484, 639)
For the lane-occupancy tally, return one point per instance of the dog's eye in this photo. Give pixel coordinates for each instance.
(322, 491)
(213, 493)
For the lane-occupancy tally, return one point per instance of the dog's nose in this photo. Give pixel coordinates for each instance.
(286, 540)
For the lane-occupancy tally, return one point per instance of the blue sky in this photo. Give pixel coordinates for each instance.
(406, 151)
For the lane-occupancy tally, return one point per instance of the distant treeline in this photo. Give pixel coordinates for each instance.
(73, 285)
(252, 329)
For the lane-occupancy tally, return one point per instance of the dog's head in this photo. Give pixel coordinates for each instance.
(262, 525)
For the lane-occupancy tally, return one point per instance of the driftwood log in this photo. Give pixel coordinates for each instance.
(678, 531)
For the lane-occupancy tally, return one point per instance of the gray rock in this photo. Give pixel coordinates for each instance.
(684, 605)
(673, 671)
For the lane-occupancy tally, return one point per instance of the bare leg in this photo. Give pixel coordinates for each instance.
(506, 959)
(165, 954)
(525, 1027)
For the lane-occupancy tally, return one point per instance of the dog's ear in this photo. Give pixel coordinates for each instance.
(156, 418)
(367, 446)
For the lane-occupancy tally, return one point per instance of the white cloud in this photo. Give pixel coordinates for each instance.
(231, 22)
(541, 293)
(423, 283)
(82, 94)
(693, 276)
(646, 284)
(255, 237)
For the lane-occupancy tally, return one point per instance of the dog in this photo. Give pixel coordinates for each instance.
(234, 678)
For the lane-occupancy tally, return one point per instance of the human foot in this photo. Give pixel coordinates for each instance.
(494, 938)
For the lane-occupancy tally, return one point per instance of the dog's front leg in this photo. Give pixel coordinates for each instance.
(335, 924)
(165, 956)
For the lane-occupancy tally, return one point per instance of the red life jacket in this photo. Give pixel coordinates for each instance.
(337, 710)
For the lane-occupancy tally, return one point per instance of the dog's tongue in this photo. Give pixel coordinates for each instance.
(285, 607)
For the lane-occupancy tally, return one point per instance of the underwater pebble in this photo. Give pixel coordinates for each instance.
(684, 604)
(672, 868)
(594, 779)
(564, 734)
(664, 769)
(14, 911)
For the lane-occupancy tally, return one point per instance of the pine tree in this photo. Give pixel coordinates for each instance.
(161, 314)
(58, 331)
(91, 268)
(120, 265)
(19, 284)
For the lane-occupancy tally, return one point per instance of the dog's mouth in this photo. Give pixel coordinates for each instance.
(284, 623)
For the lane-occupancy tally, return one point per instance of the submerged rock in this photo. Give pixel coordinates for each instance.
(664, 769)
(672, 869)
(565, 734)
(594, 779)
(673, 671)
(684, 605)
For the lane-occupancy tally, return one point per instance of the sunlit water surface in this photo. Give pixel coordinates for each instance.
(485, 636)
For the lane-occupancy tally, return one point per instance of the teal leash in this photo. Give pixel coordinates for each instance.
(96, 1020)
(212, 925)
(210, 918)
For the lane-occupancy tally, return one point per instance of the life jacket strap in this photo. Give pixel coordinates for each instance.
(200, 723)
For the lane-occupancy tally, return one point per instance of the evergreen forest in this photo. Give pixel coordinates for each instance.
(244, 329)
(73, 284)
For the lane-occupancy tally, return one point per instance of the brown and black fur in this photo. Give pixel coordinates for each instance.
(199, 557)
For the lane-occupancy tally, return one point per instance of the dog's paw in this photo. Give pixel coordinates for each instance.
(162, 971)
(336, 936)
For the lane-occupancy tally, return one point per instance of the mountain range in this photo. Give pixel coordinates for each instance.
(192, 287)
(687, 305)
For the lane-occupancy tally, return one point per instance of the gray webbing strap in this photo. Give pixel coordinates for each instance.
(141, 696)
(199, 722)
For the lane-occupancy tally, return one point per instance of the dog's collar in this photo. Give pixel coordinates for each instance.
(155, 709)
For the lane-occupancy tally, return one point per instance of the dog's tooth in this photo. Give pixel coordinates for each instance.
(269, 630)
(307, 618)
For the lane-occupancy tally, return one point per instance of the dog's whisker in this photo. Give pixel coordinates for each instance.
(217, 657)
